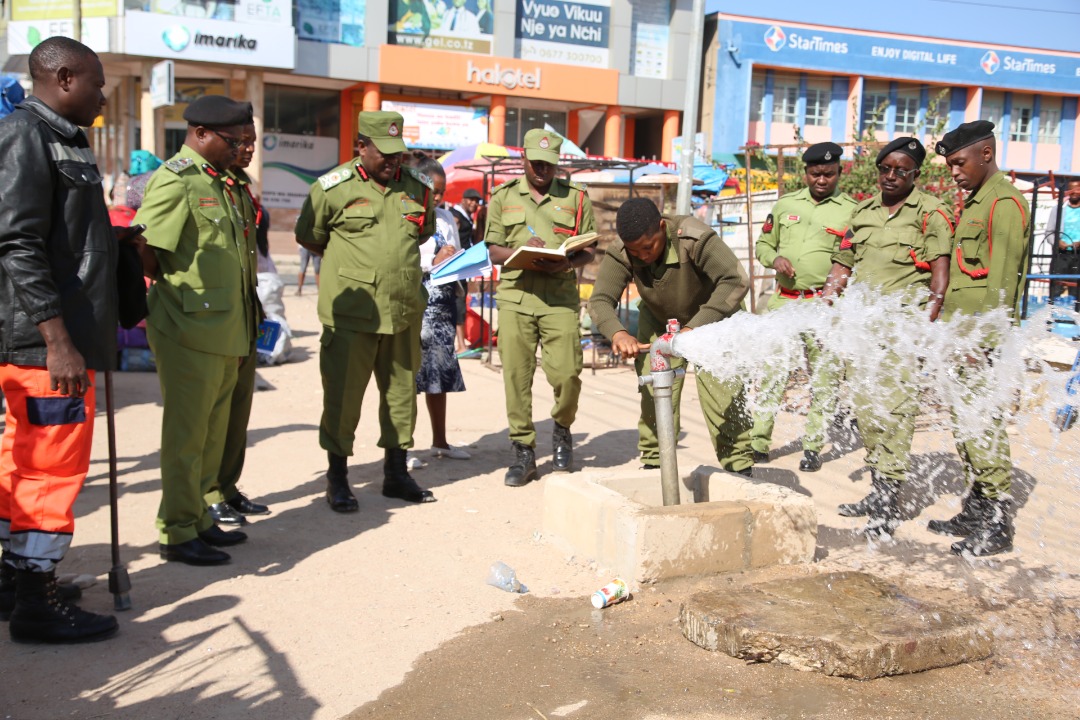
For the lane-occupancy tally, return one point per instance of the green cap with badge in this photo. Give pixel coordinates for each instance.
(383, 129)
(543, 145)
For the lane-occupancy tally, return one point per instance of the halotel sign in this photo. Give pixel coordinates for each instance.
(194, 39)
(511, 78)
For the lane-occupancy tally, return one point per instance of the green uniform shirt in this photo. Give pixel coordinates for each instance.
(697, 280)
(511, 212)
(807, 233)
(879, 248)
(370, 279)
(251, 221)
(1004, 254)
(204, 296)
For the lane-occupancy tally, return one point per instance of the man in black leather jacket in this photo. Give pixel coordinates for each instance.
(58, 318)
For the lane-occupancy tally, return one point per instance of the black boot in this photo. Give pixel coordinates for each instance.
(338, 492)
(398, 483)
(69, 592)
(966, 522)
(883, 513)
(40, 615)
(862, 507)
(523, 469)
(811, 461)
(562, 449)
(760, 458)
(995, 531)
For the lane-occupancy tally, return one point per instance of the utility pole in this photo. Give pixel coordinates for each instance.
(690, 109)
(76, 20)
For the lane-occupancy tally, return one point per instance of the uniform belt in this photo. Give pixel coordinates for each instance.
(812, 292)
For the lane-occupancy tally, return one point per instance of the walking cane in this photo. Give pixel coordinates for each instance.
(119, 582)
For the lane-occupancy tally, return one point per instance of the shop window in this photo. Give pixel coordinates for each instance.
(299, 111)
(818, 99)
(993, 109)
(1050, 121)
(875, 101)
(1020, 118)
(907, 112)
(521, 120)
(757, 98)
(785, 99)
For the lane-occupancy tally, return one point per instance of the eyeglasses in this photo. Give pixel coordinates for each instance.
(233, 143)
(884, 170)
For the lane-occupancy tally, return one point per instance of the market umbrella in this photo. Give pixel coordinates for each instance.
(476, 152)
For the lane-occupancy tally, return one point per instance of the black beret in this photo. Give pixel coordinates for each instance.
(967, 134)
(821, 153)
(908, 145)
(471, 193)
(217, 111)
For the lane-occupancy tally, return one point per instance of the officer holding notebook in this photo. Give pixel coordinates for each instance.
(538, 305)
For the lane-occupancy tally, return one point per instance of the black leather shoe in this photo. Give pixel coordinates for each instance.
(225, 514)
(398, 483)
(966, 522)
(649, 466)
(193, 552)
(523, 470)
(338, 492)
(222, 538)
(994, 533)
(562, 449)
(760, 457)
(811, 461)
(745, 472)
(244, 506)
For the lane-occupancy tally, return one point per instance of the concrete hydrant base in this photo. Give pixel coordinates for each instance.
(845, 624)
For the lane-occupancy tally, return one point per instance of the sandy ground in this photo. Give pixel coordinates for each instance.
(322, 615)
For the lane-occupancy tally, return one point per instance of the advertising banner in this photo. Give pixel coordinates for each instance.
(802, 47)
(59, 9)
(441, 127)
(574, 32)
(186, 38)
(23, 36)
(275, 12)
(291, 163)
(651, 51)
(331, 21)
(455, 25)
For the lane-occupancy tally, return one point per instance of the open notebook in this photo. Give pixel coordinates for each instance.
(524, 257)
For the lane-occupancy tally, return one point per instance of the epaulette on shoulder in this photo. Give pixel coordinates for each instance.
(427, 182)
(335, 177)
(504, 185)
(180, 164)
(576, 185)
(692, 228)
(865, 203)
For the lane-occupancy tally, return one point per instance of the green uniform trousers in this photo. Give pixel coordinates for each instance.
(347, 360)
(196, 394)
(886, 415)
(722, 403)
(561, 358)
(987, 460)
(232, 461)
(824, 381)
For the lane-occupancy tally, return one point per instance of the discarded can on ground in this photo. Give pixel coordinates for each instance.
(615, 591)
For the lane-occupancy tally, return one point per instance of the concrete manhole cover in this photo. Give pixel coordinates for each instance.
(846, 624)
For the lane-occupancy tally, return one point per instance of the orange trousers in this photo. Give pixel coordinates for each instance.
(44, 458)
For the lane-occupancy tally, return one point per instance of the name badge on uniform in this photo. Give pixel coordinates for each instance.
(793, 218)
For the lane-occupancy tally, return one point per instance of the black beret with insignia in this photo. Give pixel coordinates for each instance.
(821, 153)
(907, 145)
(217, 111)
(967, 134)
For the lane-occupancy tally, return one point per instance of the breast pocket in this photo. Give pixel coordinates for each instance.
(972, 244)
(413, 214)
(213, 222)
(79, 175)
(860, 241)
(908, 246)
(358, 218)
(563, 222)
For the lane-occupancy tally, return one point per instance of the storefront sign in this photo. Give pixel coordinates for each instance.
(23, 36)
(274, 12)
(456, 25)
(291, 163)
(824, 50)
(505, 76)
(162, 84)
(440, 127)
(331, 21)
(564, 31)
(60, 9)
(182, 38)
(651, 51)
